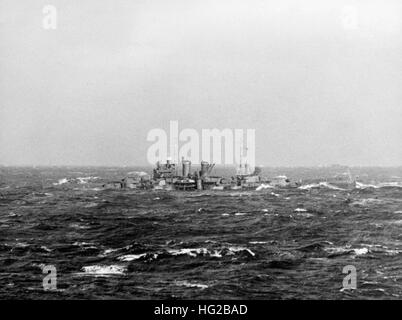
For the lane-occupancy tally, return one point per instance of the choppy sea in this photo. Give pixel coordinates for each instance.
(270, 244)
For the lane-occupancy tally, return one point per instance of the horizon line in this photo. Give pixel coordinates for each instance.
(194, 164)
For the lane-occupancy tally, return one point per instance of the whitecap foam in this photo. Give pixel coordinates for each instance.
(305, 214)
(346, 250)
(21, 245)
(217, 253)
(191, 285)
(360, 185)
(84, 244)
(271, 214)
(264, 186)
(193, 252)
(131, 257)
(77, 226)
(322, 184)
(102, 270)
(367, 201)
(45, 248)
(91, 205)
(83, 180)
(240, 213)
(309, 186)
(361, 251)
(390, 184)
(108, 251)
(61, 181)
(392, 252)
(239, 249)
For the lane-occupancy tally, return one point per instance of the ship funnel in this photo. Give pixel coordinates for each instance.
(206, 169)
(186, 167)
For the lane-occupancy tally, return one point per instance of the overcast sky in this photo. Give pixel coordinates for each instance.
(319, 81)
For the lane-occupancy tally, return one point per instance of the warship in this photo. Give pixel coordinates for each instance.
(170, 176)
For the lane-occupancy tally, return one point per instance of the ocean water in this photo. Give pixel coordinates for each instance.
(269, 244)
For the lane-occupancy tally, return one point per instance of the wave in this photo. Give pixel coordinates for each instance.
(85, 245)
(91, 205)
(217, 253)
(303, 212)
(91, 189)
(360, 185)
(46, 249)
(378, 248)
(61, 181)
(264, 186)
(80, 180)
(240, 249)
(77, 226)
(339, 251)
(83, 180)
(322, 184)
(236, 214)
(390, 185)
(131, 257)
(185, 283)
(102, 270)
(108, 252)
(191, 252)
(366, 202)
(284, 260)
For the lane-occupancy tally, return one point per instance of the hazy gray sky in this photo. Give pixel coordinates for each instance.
(320, 81)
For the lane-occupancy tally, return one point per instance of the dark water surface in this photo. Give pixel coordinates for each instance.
(274, 243)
